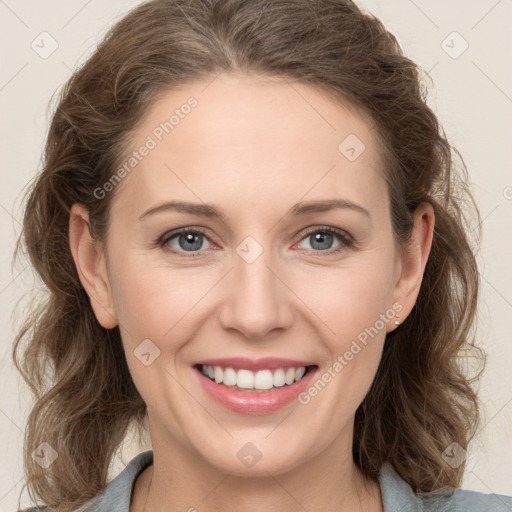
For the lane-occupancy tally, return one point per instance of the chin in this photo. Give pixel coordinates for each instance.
(253, 460)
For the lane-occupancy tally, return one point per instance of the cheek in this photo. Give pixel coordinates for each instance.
(354, 305)
(154, 306)
(156, 301)
(347, 300)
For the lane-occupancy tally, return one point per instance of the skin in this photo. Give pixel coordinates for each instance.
(252, 148)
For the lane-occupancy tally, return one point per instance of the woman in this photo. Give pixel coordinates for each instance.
(250, 226)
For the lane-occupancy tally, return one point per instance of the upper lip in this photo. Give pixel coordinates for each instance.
(270, 363)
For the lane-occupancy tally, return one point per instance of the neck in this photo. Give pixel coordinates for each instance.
(180, 480)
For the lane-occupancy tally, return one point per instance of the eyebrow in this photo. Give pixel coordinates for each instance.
(302, 208)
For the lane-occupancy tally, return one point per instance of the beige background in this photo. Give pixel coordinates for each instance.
(472, 96)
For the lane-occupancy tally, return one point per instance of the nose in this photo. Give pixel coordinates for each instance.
(257, 299)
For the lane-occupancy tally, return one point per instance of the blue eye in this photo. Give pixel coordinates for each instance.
(188, 240)
(192, 240)
(321, 239)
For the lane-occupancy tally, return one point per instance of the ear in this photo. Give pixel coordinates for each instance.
(90, 262)
(413, 259)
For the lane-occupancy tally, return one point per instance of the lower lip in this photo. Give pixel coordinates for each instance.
(255, 402)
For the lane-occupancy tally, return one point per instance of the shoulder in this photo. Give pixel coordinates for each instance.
(115, 497)
(397, 495)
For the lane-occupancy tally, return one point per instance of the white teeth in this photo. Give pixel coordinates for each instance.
(289, 376)
(218, 374)
(246, 379)
(229, 377)
(279, 378)
(299, 373)
(263, 380)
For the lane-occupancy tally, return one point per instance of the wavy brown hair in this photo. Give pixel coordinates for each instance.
(421, 400)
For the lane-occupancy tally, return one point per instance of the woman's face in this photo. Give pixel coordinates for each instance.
(262, 169)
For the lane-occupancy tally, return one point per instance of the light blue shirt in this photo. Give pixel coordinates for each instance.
(397, 495)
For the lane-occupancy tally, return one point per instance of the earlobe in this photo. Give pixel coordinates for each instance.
(413, 259)
(89, 257)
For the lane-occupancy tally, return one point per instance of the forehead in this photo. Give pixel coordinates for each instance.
(247, 138)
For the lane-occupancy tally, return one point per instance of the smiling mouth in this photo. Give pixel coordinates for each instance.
(264, 380)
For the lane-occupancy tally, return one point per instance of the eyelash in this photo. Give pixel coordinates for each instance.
(346, 240)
